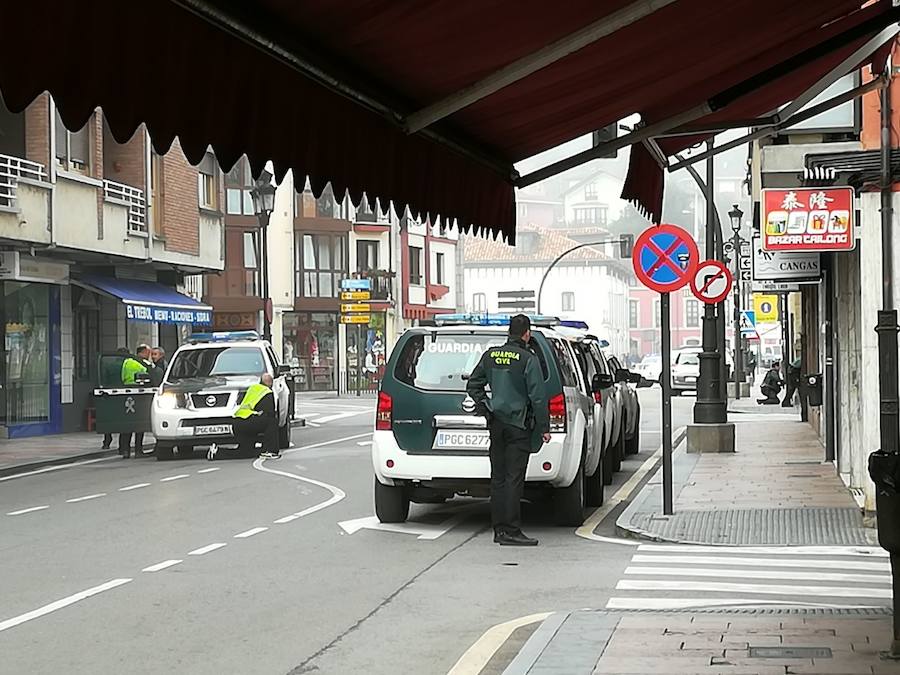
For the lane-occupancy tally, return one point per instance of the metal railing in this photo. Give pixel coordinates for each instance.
(11, 170)
(131, 197)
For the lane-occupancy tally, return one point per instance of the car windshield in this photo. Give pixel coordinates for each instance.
(217, 362)
(689, 359)
(650, 360)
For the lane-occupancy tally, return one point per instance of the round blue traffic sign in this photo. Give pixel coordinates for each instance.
(665, 258)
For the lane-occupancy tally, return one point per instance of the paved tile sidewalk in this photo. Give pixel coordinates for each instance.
(594, 642)
(775, 489)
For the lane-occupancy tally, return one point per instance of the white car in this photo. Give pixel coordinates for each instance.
(203, 386)
(429, 444)
(650, 367)
(686, 369)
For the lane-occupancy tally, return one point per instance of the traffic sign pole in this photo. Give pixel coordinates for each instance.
(665, 379)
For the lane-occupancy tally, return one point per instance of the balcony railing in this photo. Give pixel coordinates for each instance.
(382, 285)
(11, 170)
(131, 197)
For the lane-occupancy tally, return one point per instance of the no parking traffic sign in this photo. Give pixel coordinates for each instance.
(711, 282)
(665, 258)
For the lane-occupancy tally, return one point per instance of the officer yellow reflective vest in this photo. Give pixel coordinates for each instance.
(131, 367)
(255, 394)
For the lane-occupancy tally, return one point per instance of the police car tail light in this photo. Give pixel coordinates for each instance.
(384, 412)
(598, 397)
(557, 408)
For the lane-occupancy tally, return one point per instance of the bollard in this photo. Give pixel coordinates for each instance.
(884, 469)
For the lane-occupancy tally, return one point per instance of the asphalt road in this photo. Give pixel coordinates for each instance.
(236, 566)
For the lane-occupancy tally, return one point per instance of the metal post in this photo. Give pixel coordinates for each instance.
(828, 376)
(665, 379)
(264, 264)
(738, 352)
(710, 407)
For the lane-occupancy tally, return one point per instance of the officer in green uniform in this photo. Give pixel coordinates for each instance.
(516, 409)
(256, 415)
(131, 366)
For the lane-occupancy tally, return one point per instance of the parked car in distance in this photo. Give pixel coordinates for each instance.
(650, 367)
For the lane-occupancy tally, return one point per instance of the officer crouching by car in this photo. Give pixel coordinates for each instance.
(517, 408)
(256, 415)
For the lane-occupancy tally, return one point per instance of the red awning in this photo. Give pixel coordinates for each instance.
(324, 87)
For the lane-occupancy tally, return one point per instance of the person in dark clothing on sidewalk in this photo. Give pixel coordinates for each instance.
(517, 407)
(771, 385)
(256, 416)
(793, 383)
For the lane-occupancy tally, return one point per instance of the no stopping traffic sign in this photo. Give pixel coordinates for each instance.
(665, 258)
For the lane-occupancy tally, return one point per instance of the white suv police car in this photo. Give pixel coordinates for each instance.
(203, 386)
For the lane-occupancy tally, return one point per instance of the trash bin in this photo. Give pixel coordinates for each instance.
(813, 386)
(884, 469)
(119, 408)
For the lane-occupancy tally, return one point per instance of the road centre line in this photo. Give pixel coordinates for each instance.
(133, 487)
(179, 476)
(32, 509)
(85, 498)
(209, 548)
(210, 469)
(59, 604)
(161, 566)
(250, 532)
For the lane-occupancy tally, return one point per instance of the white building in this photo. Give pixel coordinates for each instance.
(587, 285)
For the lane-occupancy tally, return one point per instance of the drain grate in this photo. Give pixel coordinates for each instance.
(790, 652)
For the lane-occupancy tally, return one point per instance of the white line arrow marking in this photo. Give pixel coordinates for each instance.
(422, 530)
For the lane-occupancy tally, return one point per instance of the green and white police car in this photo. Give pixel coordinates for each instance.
(429, 445)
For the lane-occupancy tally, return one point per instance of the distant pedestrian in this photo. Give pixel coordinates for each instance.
(771, 385)
(793, 383)
(256, 416)
(516, 409)
(158, 372)
(139, 363)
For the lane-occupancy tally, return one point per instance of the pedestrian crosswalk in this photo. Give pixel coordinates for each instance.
(667, 577)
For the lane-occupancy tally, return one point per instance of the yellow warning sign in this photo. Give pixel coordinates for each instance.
(766, 307)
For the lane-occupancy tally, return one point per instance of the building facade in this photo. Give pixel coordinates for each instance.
(100, 246)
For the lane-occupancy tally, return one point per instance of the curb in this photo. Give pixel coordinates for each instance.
(31, 466)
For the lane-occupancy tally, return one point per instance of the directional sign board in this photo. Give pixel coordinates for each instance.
(665, 258)
(748, 322)
(356, 284)
(356, 295)
(355, 307)
(355, 318)
(711, 282)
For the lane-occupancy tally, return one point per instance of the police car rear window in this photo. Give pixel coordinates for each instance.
(444, 361)
(217, 362)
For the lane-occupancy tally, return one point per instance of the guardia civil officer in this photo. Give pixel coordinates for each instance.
(255, 416)
(519, 423)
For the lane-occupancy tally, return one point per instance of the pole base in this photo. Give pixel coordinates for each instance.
(710, 437)
(745, 390)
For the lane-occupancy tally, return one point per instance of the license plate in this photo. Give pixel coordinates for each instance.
(690, 379)
(462, 440)
(213, 430)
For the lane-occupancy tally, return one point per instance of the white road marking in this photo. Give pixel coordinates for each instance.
(207, 549)
(687, 603)
(59, 604)
(250, 533)
(56, 467)
(28, 510)
(210, 469)
(364, 443)
(133, 487)
(312, 424)
(85, 498)
(307, 415)
(286, 519)
(425, 531)
(763, 562)
(477, 656)
(586, 531)
(181, 475)
(340, 416)
(866, 551)
(775, 589)
(324, 443)
(336, 493)
(161, 566)
(790, 575)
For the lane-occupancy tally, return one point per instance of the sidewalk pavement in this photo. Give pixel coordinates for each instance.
(594, 641)
(775, 489)
(22, 454)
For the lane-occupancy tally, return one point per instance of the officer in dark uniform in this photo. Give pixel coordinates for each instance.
(517, 408)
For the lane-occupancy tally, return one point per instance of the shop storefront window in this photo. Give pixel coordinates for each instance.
(27, 339)
(311, 345)
(366, 354)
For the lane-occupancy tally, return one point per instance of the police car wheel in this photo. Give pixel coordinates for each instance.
(593, 487)
(164, 452)
(391, 503)
(568, 502)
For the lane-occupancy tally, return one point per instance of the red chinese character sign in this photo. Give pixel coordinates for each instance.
(808, 219)
(665, 258)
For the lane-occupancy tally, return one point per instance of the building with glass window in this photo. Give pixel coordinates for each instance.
(101, 247)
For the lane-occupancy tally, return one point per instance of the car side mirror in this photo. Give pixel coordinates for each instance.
(634, 378)
(622, 375)
(142, 379)
(601, 381)
(644, 383)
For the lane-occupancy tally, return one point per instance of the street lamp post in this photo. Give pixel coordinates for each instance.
(263, 194)
(736, 215)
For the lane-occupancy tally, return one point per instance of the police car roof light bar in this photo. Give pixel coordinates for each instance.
(491, 320)
(224, 336)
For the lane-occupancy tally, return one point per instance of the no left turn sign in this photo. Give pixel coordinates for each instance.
(711, 282)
